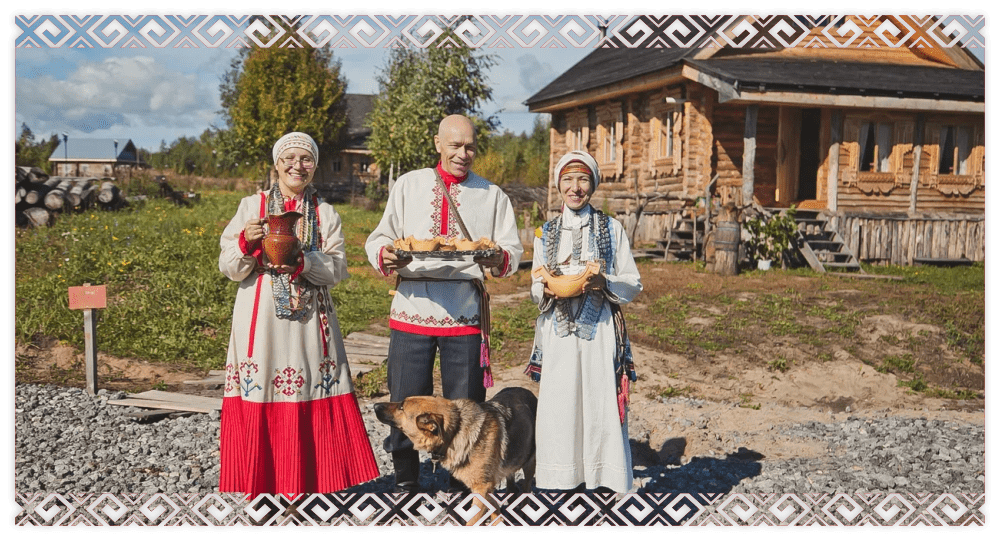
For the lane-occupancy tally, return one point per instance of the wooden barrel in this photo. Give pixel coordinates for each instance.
(727, 248)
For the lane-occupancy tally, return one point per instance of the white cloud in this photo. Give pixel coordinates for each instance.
(533, 75)
(124, 94)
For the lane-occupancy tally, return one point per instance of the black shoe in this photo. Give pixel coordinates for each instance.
(407, 487)
(406, 464)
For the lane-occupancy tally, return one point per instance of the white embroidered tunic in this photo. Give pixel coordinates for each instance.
(579, 436)
(448, 306)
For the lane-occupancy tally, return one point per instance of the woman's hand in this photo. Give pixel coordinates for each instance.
(391, 261)
(254, 229)
(287, 269)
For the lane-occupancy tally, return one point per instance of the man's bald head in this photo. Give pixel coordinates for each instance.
(456, 142)
(456, 122)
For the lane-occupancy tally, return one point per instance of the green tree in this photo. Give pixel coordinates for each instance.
(31, 153)
(418, 88)
(269, 92)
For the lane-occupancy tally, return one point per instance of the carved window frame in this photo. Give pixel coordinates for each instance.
(610, 140)
(665, 124)
(901, 141)
(975, 176)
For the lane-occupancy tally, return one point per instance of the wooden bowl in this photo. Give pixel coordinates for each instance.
(567, 285)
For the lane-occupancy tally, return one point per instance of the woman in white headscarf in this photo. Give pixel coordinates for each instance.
(582, 357)
(290, 420)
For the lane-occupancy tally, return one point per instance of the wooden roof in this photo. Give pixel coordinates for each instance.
(855, 78)
(358, 106)
(607, 66)
(88, 149)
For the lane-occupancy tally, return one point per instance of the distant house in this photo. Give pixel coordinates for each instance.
(884, 145)
(82, 157)
(351, 169)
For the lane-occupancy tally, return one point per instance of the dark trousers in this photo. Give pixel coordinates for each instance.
(411, 372)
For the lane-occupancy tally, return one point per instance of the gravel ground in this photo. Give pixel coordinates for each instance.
(69, 442)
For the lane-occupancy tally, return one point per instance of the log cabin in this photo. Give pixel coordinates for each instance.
(882, 147)
(82, 157)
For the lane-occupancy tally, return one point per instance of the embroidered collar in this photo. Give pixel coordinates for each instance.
(449, 178)
(575, 219)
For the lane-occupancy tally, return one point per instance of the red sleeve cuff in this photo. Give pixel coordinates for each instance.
(247, 247)
(298, 271)
(381, 265)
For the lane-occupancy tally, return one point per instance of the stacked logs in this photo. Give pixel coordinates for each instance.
(39, 197)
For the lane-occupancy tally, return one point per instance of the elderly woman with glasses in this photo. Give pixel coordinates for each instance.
(290, 420)
(582, 357)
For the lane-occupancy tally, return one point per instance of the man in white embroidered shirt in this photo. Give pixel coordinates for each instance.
(441, 305)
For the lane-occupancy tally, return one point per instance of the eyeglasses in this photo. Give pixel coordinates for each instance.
(306, 162)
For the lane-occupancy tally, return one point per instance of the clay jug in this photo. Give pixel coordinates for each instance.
(281, 245)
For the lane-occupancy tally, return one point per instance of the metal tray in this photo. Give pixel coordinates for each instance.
(452, 255)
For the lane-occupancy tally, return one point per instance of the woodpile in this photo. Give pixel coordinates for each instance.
(39, 198)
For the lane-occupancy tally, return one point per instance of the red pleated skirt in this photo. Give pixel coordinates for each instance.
(294, 447)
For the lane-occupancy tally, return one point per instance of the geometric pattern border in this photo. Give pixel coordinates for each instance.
(529, 509)
(495, 32)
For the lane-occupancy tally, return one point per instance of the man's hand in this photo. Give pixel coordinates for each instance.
(391, 261)
(492, 262)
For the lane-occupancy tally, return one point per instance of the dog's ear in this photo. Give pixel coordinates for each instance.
(430, 423)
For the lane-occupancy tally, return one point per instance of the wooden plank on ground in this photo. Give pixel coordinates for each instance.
(365, 350)
(173, 401)
(361, 337)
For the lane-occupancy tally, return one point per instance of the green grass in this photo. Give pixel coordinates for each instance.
(167, 300)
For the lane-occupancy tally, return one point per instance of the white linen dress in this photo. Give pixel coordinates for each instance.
(579, 436)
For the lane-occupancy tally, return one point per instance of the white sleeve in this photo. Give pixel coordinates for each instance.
(233, 263)
(390, 227)
(505, 233)
(328, 265)
(624, 282)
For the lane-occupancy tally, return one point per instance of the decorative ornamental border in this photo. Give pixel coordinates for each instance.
(534, 509)
(510, 31)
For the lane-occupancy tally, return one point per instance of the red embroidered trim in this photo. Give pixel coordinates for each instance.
(253, 318)
(433, 331)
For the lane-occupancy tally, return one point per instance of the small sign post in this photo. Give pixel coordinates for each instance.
(88, 298)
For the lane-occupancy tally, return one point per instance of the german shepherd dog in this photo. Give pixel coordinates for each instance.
(480, 444)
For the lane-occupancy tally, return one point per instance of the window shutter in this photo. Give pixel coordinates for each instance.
(675, 128)
(933, 148)
(620, 139)
(902, 149)
(977, 160)
(852, 127)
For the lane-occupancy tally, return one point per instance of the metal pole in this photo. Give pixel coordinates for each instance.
(90, 348)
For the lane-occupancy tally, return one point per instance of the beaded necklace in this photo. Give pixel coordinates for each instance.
(293, 299)
(583, 321)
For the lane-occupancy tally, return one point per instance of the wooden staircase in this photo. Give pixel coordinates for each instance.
(686, 242)
(820, 245)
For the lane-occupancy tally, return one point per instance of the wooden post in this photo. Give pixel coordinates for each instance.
(918, 143)
(749, 153)
(832, 180)
(87, 298)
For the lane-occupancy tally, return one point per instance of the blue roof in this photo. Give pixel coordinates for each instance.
(78, 148)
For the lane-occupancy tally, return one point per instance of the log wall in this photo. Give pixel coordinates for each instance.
(729, 121)
(897, 240)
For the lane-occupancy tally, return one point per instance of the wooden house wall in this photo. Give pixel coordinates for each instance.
(729, 121)
(662, 186)
(859, 192)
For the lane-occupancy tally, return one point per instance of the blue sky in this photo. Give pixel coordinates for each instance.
(149, 95)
